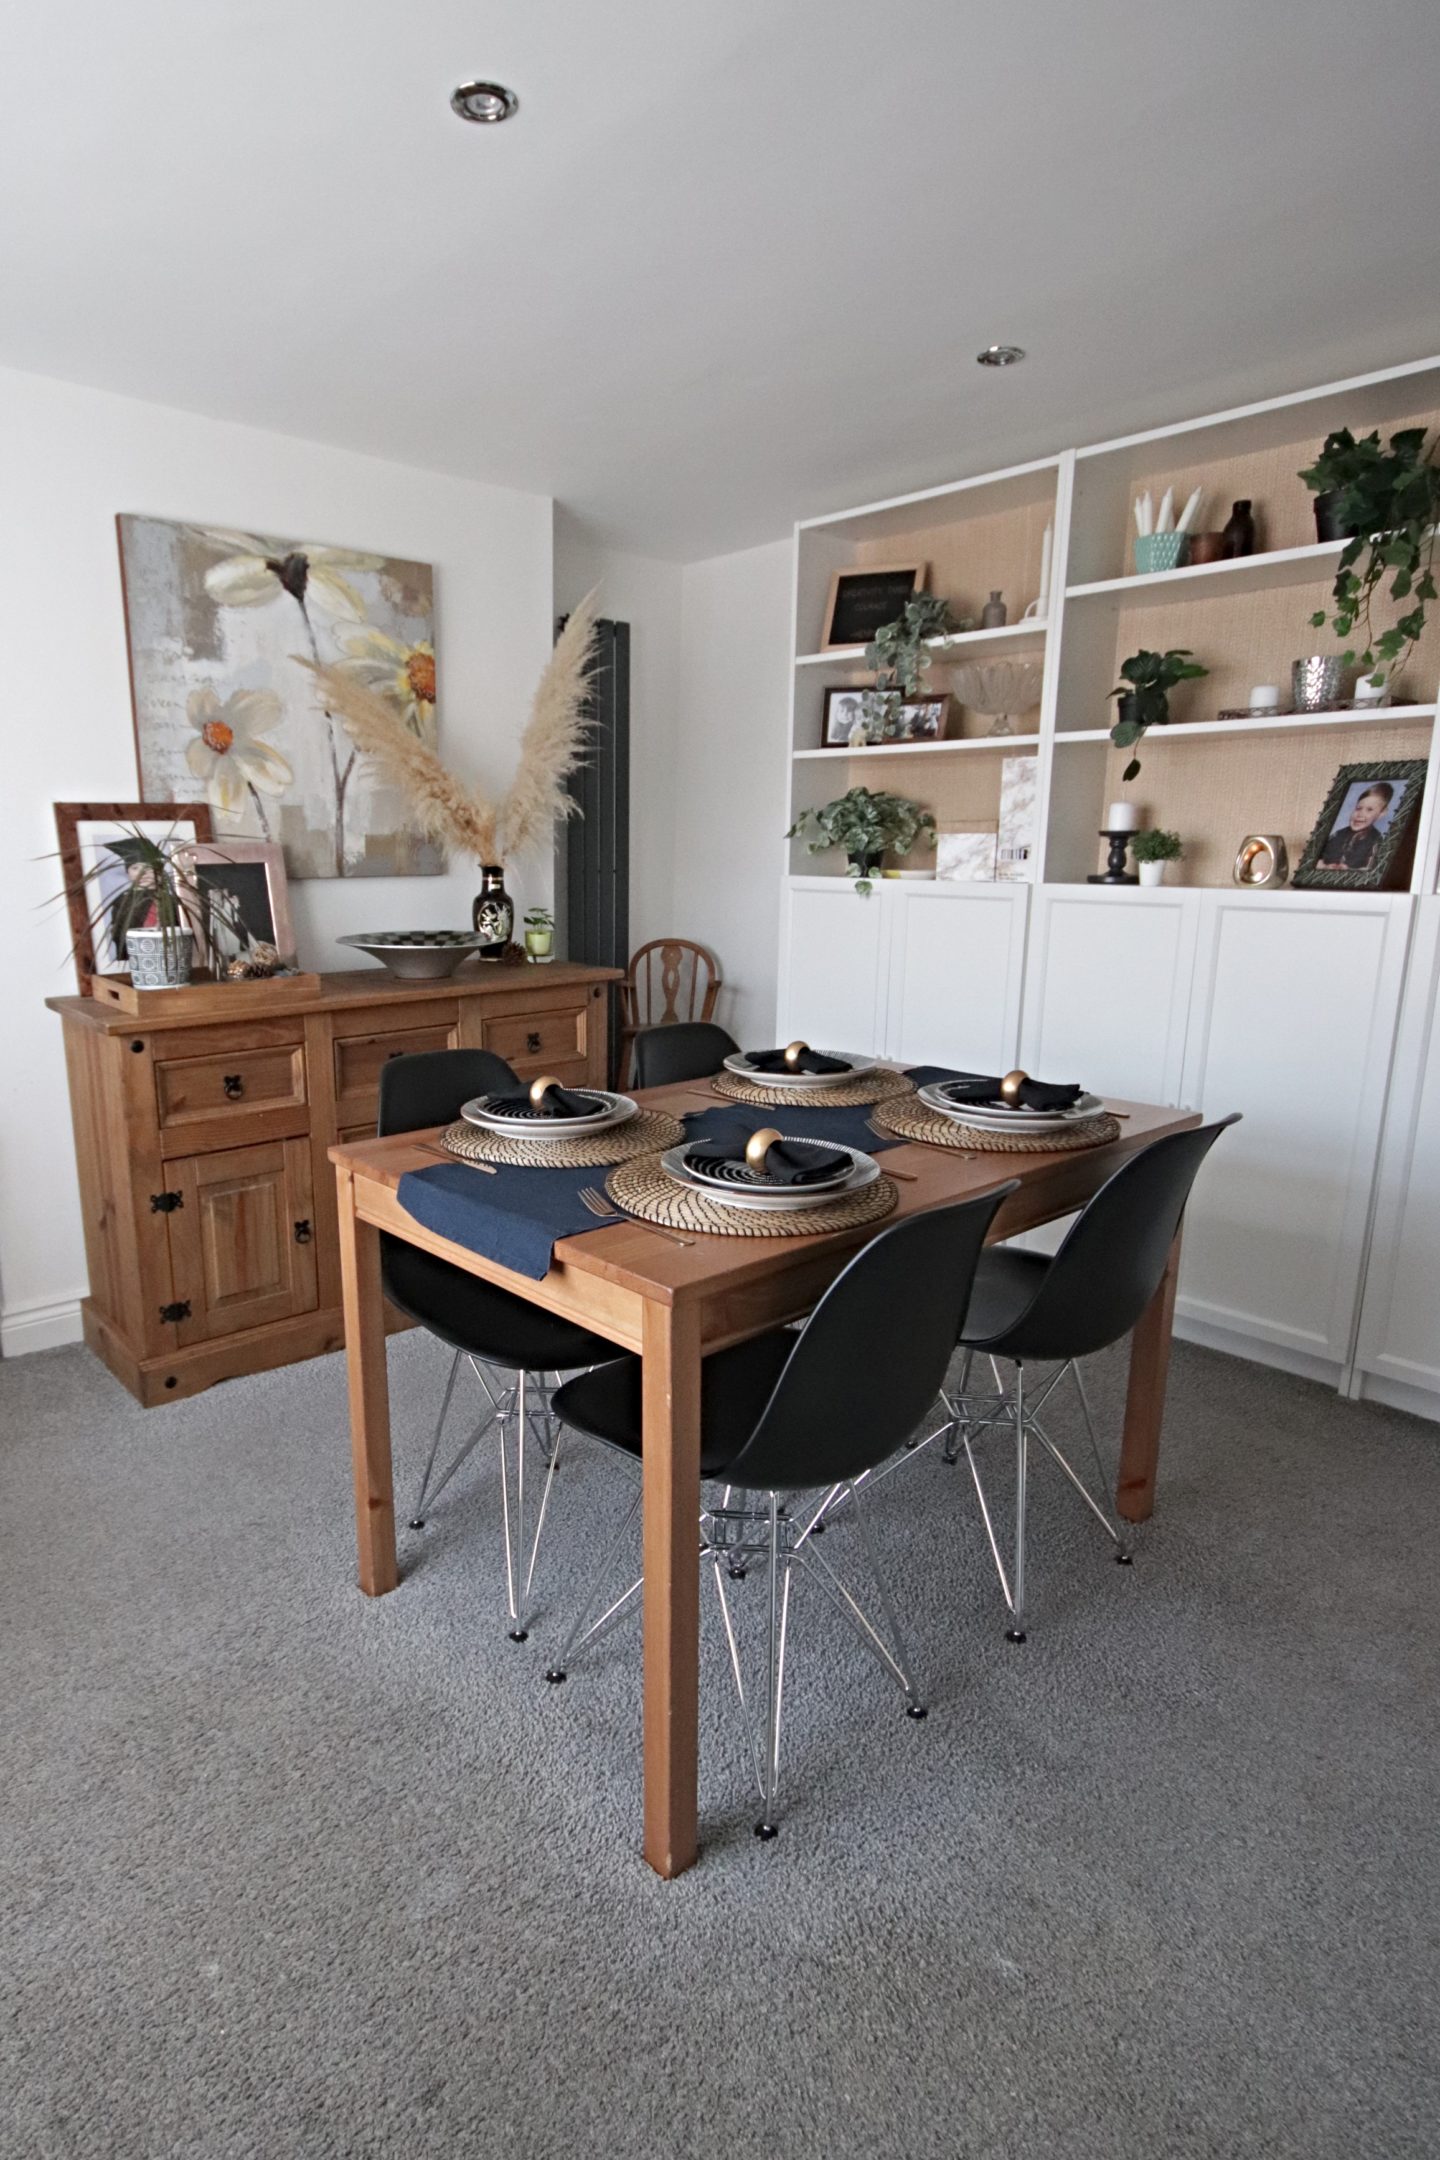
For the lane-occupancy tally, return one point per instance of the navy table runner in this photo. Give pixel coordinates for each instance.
(516, 1217)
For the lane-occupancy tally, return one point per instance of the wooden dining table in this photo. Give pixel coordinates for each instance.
(673, 1304)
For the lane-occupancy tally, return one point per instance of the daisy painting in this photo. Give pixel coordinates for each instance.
(218, 621)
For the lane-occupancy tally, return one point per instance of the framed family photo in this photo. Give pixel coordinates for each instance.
(1364, 837)
(852, 715)
(861, 601)
(242, 900)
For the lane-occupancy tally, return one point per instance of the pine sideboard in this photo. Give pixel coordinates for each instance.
(208, 1199)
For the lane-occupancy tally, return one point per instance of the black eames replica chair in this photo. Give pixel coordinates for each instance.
(1033, 1310)
(506, 1339)
(684, 1050)
(805, 1414)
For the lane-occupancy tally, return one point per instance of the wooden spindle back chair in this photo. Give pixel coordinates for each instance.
(667, 980)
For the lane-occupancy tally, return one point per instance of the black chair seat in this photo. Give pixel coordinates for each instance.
(735, 1386)
(1006, 1286)
(681, 1050)
(491, 1324)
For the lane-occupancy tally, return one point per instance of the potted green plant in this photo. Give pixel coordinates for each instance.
(1385, 504)
(865, 823)
(151, 921)
(1152, 849)
(1147, 678)
(539, 935)
(900, 656)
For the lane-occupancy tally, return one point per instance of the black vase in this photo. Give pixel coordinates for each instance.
(1328, 525)
(866, 865)
(1238, 537)
(493, 913)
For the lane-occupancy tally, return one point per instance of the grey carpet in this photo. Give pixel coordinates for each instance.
(288, 1872)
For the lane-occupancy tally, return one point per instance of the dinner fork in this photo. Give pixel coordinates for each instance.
(606, 1210)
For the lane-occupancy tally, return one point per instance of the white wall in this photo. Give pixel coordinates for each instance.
(645, 593)
(731, 773)
(69, 460)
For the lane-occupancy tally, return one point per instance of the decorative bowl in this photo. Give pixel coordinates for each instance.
(416, 955)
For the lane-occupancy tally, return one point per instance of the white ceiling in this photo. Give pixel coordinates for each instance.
(731, 262)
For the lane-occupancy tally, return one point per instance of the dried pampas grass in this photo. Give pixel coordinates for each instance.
(440, 808)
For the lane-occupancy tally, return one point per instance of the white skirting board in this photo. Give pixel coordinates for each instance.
(46, 1326)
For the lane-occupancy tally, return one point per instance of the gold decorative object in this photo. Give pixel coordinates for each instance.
(539, 1088)
(1011, 1085)
(758, 1146)
(254, 966)
(794, 1052)
(1263, 859)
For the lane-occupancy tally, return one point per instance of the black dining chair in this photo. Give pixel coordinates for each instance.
(685, 1050)
(1030, 1308)
(506, 1339)
(789, 1414)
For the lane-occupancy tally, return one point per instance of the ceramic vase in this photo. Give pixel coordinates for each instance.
(493, 914)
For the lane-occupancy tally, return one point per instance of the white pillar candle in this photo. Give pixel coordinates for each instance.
(1123, 817)
(1265, 697)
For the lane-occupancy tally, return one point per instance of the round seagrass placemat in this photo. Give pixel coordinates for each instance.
(869, 1088)
(640, 1135)
(642, 1188)
(913, 1121)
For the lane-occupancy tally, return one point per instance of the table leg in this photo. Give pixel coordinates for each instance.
(369, 1393)
(671, 1432)
(1145, 1398)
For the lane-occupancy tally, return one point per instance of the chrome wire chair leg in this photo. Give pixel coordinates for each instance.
(892, 1655)
(578, 1633)
(1016, 1631)
(514, 1534)
(778, 1568)
(1122, 1543)
(955, 1405)
(430, 1494)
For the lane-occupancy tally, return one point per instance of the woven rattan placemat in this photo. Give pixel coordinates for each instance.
(640, 1135)
(870, 1088)
(913, 1121)
(642, 1188)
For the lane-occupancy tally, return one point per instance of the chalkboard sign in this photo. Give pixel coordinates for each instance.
(861, 601)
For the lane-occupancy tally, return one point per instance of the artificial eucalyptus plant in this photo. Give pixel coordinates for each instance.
(1147, 678)
(1388, 501)
(900, 657)
(866, 823)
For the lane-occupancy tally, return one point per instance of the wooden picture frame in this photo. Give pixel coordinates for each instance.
(1364, 837)
(261, 904)
(69, 817)
(842, 707)
(863, 599)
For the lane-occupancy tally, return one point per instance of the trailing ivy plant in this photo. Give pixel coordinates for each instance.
(900, 657)
(1389, 502)
(1147, 678)
(866, 823)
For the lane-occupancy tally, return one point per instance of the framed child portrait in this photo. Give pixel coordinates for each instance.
(1364, 837)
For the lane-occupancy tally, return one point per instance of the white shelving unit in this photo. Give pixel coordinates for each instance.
(1196, 992)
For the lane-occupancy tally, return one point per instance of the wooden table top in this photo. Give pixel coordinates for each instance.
(1050, 1184)
(357, 986)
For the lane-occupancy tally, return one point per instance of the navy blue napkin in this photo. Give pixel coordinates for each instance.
(556, 1102)
(844, 1127)
(966, 1087)
(784, 1164)
(809, 1061)
(513, 1219)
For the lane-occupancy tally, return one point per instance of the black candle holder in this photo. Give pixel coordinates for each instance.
(1115, 872)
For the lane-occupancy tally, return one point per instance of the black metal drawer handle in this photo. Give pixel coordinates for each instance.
(234, 1084)
(302, 1231)
(532, 1040)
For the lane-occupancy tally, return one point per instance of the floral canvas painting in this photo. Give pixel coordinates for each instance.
(220, 624)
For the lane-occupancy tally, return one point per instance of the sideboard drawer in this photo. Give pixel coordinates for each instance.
(533, 1041)
(226, 1085)
(358, 1059)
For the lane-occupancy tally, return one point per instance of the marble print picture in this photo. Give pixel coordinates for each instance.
(220, 624)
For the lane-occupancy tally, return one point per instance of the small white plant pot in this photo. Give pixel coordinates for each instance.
(1152, 873)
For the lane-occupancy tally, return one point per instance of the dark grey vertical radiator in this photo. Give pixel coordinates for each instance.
(597, 843)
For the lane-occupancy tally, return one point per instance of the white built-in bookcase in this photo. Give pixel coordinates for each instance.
(1246, 620)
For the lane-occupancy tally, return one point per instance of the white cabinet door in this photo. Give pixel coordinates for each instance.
(831, 989)
(1107, 991)
(1296, 1000)
(1399, 1341)
(956, 968)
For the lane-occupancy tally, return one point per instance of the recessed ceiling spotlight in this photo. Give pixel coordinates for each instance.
(483, 101)
(1000, 355)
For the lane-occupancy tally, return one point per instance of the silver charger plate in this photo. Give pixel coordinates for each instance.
(995, 1117)
(739, 1177)
(739, 1064)
(787, 1200)
(615, 1110)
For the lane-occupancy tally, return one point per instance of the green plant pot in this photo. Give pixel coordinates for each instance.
(538, 946)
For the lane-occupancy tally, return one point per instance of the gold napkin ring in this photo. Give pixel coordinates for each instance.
(758, 1146)
(540, 1088)
(794, 1052)
(1011, 1085)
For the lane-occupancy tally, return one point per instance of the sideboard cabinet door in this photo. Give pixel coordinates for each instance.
(956, 966)
(1296, 1000)
(831, 992)
(1107, 989)
(242, 1238)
